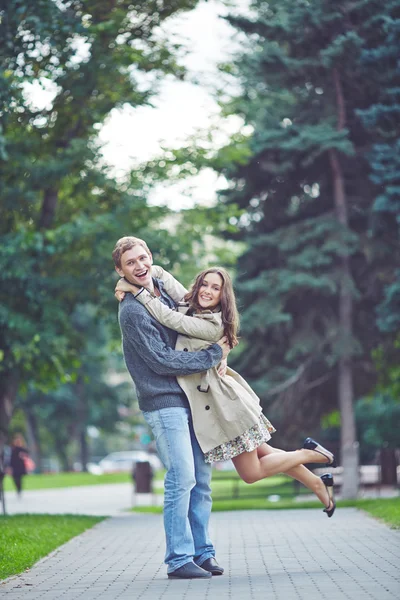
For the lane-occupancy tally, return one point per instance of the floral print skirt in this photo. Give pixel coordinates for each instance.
(248, 441)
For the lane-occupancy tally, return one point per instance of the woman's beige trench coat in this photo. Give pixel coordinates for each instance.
(228, 406)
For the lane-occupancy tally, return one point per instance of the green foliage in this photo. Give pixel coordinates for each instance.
(387, 360)
(85, 397)
(331, 420)
(389, 310)
(178, 163)
(378, 414)
(382, 119)
(305, 79)
(62, 209)
(377, 420)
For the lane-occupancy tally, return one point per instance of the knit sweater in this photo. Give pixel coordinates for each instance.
(150, 357)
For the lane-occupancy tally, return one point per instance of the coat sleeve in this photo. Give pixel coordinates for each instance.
(203, 327)
(145, 338)
(172, 286)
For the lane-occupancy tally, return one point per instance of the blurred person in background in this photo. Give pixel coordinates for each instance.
(18, 461)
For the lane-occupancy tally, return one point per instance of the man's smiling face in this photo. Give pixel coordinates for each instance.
(136, 266)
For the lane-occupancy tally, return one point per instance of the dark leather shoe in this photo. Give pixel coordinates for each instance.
(310, 444)
(211, 565)
(327, 480)
(190, 571)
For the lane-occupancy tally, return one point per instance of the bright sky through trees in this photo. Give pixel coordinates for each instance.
(133, 135)
(182, 107)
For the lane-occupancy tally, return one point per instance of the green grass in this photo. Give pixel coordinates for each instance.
(225, 484)
(24, 539)
(228, 488)
(60, 480)
(241, 504)
(230, 493)
(385, 509)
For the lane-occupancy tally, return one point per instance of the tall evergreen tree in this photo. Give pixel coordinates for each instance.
(382, 120)
(313, 273)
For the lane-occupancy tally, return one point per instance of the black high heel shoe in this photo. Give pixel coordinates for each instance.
(310, 444)
(327, 480)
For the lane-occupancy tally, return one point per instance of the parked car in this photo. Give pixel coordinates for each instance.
(118, 462)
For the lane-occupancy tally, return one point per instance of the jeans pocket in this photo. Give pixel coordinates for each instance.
(149, 418)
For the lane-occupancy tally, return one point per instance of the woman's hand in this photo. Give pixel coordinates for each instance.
(223, 365)
(124, 286)
(119, 295)
(223, 342)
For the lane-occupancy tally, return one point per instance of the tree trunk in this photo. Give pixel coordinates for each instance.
(348, 435)
(3, 440)
(388, 464)
(348, 441)
(33, 439)
(8, 392)
(49, 205)
(63, 456)
(82, 419)
(84, 450)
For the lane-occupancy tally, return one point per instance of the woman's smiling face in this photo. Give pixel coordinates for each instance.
(210, 291)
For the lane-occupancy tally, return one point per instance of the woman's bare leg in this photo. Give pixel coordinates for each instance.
(300, 473)
(251, 468)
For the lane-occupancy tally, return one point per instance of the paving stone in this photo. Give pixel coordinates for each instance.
(273, 555)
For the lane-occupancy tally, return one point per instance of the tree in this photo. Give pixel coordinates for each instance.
(382, 121)
(61, 209)
(313, 273)
(87, 400)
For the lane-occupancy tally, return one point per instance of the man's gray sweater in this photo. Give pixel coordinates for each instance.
(151, 359)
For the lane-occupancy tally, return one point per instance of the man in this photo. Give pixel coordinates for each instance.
(153, 365)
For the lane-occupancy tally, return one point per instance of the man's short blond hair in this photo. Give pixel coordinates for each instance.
(123, 245)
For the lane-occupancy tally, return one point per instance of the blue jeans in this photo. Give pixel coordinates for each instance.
(187, 492)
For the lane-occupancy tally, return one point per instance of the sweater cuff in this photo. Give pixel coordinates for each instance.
(218, 347)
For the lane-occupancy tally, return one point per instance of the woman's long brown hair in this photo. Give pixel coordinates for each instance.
(230, 316)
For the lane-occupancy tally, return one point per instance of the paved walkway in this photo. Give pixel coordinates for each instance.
(268, 555)
(104, 500)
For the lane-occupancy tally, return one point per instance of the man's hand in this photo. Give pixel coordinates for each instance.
(223, 342)
(222, 368)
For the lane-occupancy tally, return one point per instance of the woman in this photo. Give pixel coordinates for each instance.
(227, 415)
(19, 454)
